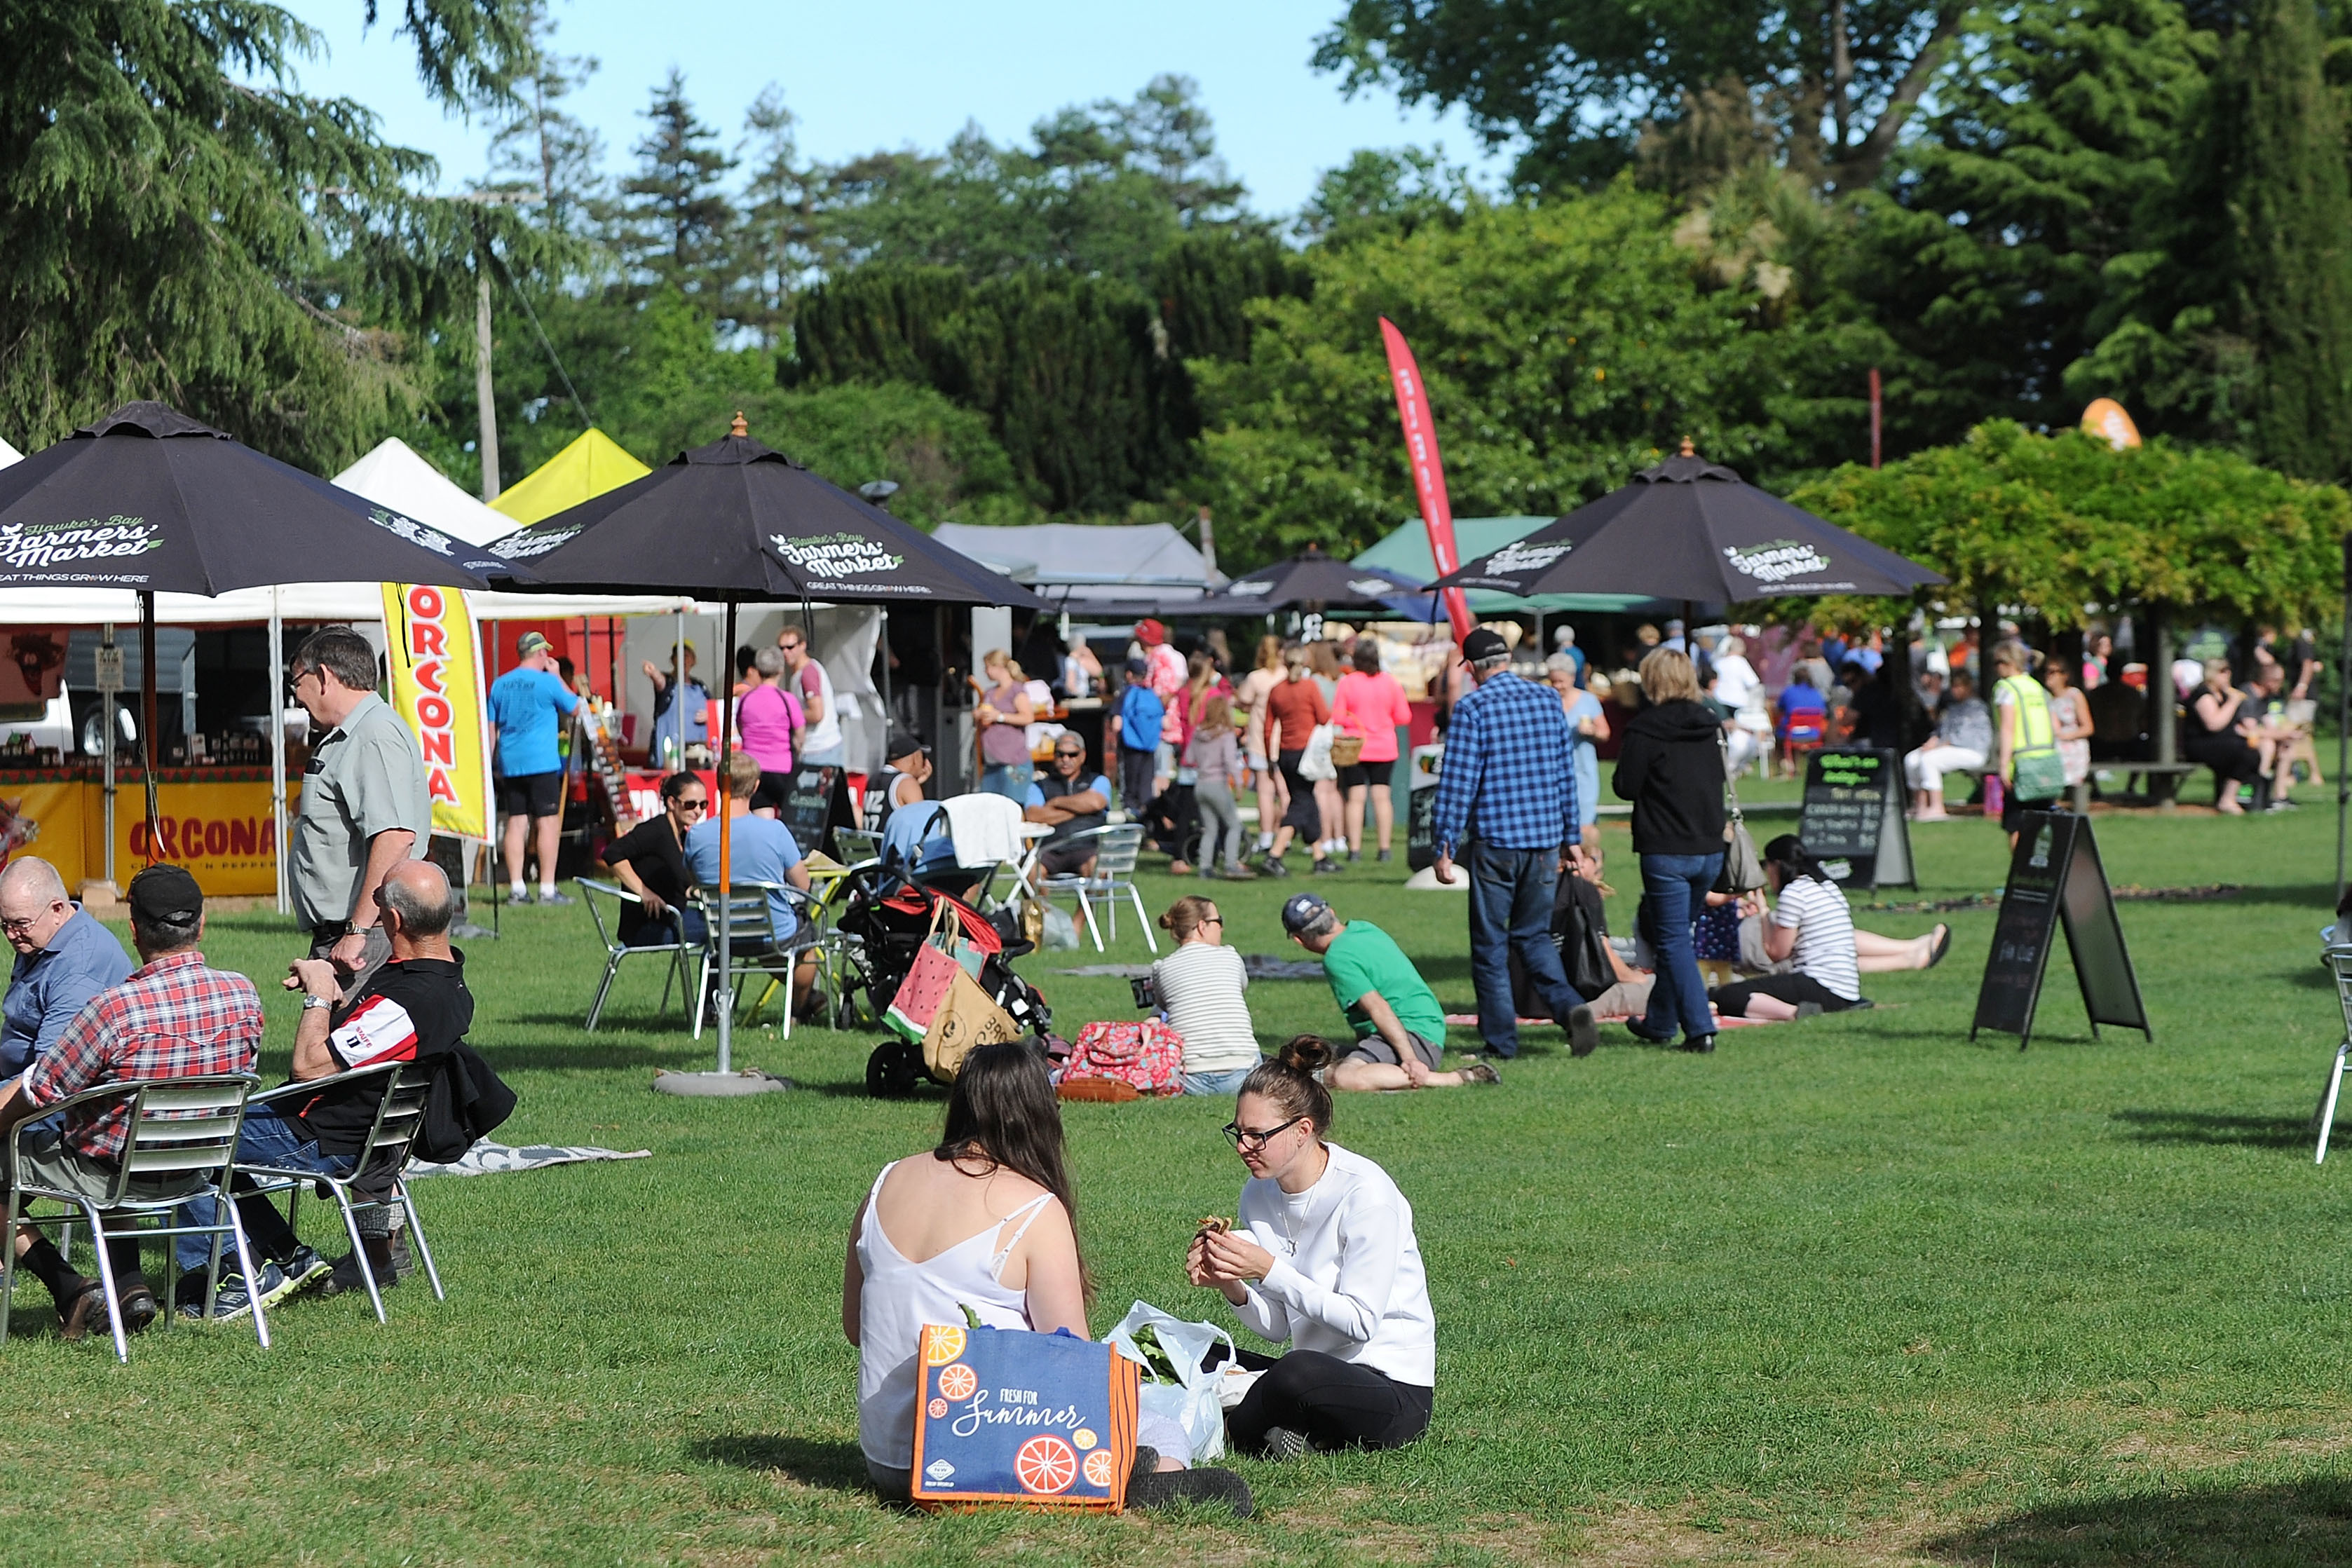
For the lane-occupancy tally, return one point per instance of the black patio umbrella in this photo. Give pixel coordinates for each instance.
(1692, 531)
(151, 500)
(742, 523)
(1312, 578)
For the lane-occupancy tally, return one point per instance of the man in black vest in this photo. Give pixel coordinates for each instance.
(1072, 802)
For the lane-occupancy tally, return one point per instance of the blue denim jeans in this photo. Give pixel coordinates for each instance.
(1216, 1083)
(663, 932)
(1674, 889)
(1010, 779)
(1511, 893)
(266, 1138)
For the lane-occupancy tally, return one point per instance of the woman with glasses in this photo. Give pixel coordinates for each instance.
(986, 1228)
(1200, 986)
(649, 860)
(1323, 1258)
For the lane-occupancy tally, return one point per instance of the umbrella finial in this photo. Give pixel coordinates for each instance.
(740, 428)
(1688, 450)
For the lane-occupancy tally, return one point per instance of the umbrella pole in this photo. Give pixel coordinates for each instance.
(147, 748)
(887, 717)
(725, 794)
(677, 694)
(277, 743)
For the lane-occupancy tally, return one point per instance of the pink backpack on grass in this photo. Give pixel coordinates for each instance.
(1148, 1056)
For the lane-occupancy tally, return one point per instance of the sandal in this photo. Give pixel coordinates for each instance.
(1943, 946)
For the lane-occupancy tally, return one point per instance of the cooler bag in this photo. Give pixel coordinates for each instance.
(1023, 1420)
(1149, 1055)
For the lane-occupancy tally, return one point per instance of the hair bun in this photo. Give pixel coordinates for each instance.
(1167, 922)
(1307, 1053)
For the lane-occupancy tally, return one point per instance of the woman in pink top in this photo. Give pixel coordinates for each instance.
(1371, 706)
(770, 719)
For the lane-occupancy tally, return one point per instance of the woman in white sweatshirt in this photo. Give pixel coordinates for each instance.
(1323, 1258)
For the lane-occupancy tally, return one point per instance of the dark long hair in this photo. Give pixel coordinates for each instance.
(1002, 1109)
(1795, 861)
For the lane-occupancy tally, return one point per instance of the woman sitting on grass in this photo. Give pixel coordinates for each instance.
(984, 1225)
(1813, 931)
(1199, 985)
(1323, 1258)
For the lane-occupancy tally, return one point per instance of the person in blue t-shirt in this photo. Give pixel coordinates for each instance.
(527, 704)
(759, 849)
(1135, 730)
(64, 958)
(1803, 713)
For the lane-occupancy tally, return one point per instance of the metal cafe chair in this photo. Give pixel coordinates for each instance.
(376, 1179)
(182, 1132)
(2340, 965)
(616, 950)
(752, 949)
(1117, 850)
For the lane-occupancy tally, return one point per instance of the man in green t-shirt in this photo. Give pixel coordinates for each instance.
(1400, 1029)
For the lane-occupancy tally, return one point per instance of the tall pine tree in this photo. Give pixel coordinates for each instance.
(2291, 212)
(677, 220)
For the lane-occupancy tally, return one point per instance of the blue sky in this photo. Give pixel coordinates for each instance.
(898, 73)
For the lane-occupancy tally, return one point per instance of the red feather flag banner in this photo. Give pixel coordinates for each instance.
(1428, 468)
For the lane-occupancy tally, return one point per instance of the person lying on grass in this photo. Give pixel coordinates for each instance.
(1399, 1028)
(985, 1227)
(1812, 930)
(1323, 1258)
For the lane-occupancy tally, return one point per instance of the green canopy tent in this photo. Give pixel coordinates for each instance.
(1406, 552)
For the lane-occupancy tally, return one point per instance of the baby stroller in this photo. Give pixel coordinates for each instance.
(891, 918)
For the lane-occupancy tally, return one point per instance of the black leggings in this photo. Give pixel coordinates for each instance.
(1302, 813)
(1333, 1404)
(1732, 1000)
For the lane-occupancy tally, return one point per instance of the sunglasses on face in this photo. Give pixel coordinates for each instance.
(690, 807)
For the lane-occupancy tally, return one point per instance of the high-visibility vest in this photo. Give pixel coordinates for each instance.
(2035, 732)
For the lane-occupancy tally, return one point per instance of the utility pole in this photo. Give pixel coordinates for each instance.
(1208, 543)
(483, 396)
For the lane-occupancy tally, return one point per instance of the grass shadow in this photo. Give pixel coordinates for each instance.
(2297, 1524)
(2214, 1130)
(835, 1466)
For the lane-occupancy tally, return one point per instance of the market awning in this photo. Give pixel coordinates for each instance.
(591, 465)
(1406, 552)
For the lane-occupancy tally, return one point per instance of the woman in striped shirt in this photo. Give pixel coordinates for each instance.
(1811, 931)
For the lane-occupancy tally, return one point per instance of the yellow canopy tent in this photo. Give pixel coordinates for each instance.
(588, 467)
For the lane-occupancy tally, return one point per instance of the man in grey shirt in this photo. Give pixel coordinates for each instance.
(364, 804)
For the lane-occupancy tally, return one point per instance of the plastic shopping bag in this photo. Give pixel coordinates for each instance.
(1175, 1386)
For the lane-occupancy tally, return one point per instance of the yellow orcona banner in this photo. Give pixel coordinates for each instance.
(436, 685)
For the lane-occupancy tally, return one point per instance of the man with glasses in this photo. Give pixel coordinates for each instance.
(1072, 802)
(1399, 1028)
(650, 862)
(821, 745)
(364, 807)
(64, 958)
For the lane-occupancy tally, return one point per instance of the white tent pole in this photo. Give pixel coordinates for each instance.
(276, 749)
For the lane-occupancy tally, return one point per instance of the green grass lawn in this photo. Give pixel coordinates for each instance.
(1853, 1292)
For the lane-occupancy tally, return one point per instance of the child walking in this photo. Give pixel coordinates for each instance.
(1214, 755)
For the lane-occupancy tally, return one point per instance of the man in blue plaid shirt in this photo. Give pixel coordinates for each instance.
(1508, 788)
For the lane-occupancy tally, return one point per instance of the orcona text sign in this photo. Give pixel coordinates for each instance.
(437, 687)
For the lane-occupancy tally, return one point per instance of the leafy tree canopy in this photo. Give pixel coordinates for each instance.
(2066, 526)
(1574, 82)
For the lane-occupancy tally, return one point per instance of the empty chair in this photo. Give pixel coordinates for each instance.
(2339, 965)
(1116, 851)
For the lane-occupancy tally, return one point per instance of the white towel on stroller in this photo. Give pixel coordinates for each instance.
(986, 830)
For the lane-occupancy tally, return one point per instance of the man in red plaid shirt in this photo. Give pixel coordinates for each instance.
(173, 1017)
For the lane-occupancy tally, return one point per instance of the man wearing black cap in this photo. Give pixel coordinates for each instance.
(1507, 796)
(173, 1017)
(907, 767)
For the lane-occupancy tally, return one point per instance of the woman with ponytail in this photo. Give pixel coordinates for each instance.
(1322, 1258)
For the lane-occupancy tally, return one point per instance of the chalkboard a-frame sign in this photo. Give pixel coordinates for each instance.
(1852, 821)
(2054, 879)
(816, 803)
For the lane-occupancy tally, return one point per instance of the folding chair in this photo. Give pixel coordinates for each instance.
(2340, 965)
(382, 1159)
(616, 950)
(752, 945)
(1116, 851)
(855, 848)
(179, 1127)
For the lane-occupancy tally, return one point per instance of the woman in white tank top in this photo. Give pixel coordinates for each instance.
(984, 1221)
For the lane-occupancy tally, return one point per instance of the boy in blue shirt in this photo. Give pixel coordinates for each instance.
(1136, 731)
(525, 704)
